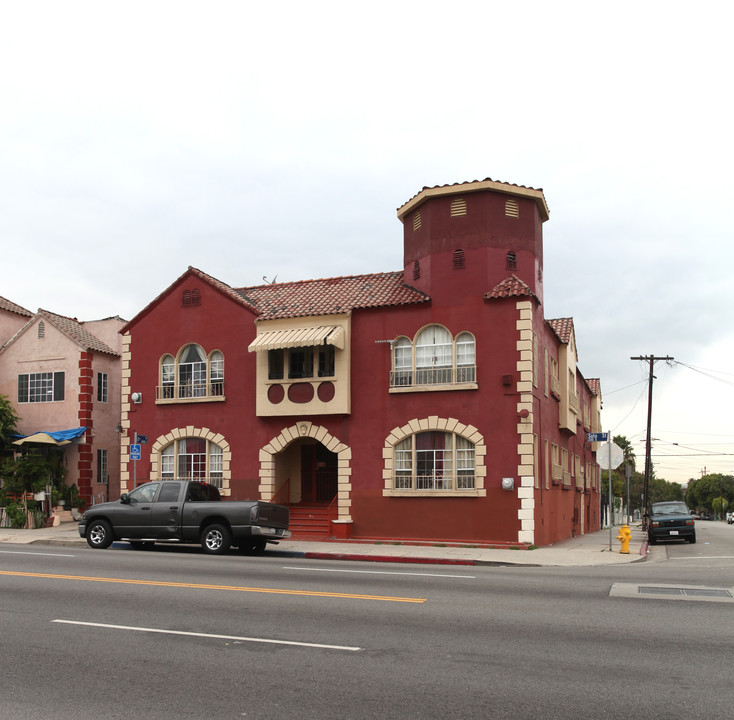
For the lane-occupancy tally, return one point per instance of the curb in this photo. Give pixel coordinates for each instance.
(387, 558)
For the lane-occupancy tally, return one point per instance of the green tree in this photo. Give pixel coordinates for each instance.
(629, 453)
(8, 422)
(705, 495)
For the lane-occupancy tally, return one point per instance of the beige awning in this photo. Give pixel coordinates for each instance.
(41, 438)
(299, 337)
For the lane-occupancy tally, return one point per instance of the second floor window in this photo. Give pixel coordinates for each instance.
(41, 387)
(300, 363)
(192, 375)
(434, 358)
(102, 381)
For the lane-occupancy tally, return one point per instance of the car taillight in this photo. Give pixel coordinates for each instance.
(689, 522)
(254, 513)
(655, 523)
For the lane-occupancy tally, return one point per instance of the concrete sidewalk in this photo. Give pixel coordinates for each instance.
(586, 550)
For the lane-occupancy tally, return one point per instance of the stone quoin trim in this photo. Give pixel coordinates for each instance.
(125, 437)
(446, 425)
(306, 429)
(525, 425)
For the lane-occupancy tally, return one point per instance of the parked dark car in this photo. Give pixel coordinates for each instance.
(670, 521)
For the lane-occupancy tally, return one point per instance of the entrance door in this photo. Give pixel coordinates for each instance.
(318, 474)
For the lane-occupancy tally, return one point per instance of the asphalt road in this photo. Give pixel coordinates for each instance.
(176, 634)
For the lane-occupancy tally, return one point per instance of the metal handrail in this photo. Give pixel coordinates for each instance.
(282, 495)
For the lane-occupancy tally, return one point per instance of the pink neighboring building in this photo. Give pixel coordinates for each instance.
(65, 375)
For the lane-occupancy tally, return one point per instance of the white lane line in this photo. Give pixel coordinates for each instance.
(21, 552)
(379, 572)
(209, 635)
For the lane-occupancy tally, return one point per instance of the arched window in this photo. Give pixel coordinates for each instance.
(436, 358)
(191, 375)
(192, 372)
(216, 373)
(168, 376)
(466, 362)
(433, 355)
(434, 460)
(402, 362)
(192, 458)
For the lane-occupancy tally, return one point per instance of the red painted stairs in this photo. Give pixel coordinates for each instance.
(310, 521)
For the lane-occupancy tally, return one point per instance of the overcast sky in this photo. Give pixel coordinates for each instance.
(258, 140)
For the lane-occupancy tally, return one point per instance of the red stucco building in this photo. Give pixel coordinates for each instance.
(435, 403)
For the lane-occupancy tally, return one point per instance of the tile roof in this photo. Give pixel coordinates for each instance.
(231, 292)
(563, 328)
(73, 329)
(6, 304)
(594, 385)
(511, 286)
(331, 295)
(474, 186)
(218, 284)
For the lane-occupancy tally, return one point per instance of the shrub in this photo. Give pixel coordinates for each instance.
(16, 514)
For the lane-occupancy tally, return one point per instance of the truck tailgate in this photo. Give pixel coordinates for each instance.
(271, 515)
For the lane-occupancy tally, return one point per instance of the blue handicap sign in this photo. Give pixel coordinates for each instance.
(135, 452)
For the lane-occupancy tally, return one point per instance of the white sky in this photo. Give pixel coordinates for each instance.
(257, 140)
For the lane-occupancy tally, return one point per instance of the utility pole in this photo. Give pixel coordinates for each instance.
(648, 446)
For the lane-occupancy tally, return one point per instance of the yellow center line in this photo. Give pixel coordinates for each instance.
(201, 586)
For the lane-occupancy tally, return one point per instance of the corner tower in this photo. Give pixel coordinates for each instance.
(486, 228)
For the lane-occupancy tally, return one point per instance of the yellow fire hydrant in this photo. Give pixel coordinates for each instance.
(624, 537)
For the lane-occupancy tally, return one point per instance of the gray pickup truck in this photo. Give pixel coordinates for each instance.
(184, 511)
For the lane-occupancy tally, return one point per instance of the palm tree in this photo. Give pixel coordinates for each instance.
(629, 453)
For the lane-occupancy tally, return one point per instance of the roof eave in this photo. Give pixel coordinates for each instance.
(477, 186)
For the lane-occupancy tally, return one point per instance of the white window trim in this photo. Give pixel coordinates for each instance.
(407, 377)
(213, 386)
(212, 438)
(450, 425)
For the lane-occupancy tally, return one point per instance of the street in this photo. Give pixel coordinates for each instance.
(172, 633)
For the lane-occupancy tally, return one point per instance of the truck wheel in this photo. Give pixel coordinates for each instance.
(99, 534)
(216, 539)
(253, 546)
(692, 539)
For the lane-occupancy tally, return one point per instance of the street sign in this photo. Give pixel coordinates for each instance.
(143, 439)
(602, 456)
(597, 437)
(135, 452)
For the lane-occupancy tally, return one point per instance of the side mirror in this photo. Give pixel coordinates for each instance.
(124, 499)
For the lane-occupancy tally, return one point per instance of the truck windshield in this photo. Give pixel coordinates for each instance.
(670, 509)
